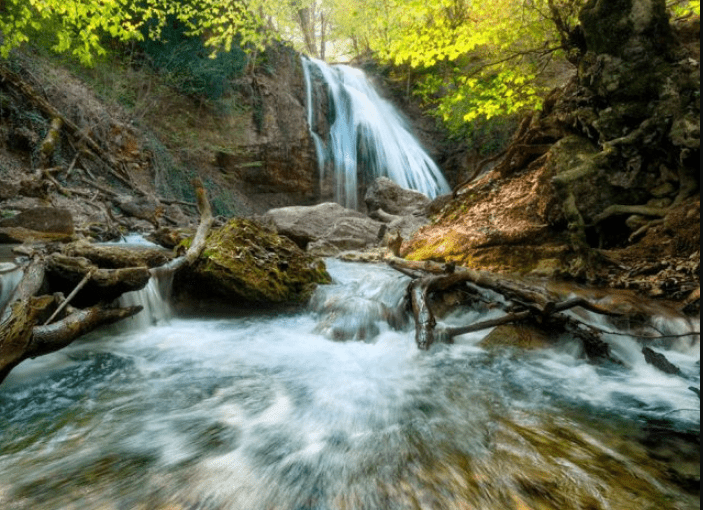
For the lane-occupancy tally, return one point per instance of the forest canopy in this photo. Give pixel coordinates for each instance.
(467, 59)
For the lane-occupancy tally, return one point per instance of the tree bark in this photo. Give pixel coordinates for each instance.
(198, 243)
(530, 303)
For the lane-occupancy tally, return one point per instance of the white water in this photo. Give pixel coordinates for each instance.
(367, 135)
(267, 412)
(10, 276)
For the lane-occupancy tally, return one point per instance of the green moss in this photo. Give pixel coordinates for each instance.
(245, 261)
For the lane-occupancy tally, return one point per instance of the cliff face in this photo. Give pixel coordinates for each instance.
(133, 161)
(603, 183)
(275, 164)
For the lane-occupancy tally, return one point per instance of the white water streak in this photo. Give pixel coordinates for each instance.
(367, 135)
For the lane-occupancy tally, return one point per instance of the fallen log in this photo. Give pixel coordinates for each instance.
(64, 273)
(52, 337)
(524, 302)
(533, 297)
(21, 338)
(26, 330)
(528, 303)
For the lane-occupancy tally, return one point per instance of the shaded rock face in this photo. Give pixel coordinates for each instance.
(277, 165)
(39, 223)
(326, 228)
(625, 28)
(248, 264)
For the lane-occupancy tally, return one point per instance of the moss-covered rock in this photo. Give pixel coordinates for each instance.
(245, 263)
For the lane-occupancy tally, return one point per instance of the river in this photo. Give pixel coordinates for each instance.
(273, 411)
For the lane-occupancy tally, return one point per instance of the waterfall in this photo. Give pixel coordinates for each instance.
(10, 276)
(153, 298)
(367, 137)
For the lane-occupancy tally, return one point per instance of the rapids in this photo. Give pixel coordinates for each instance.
(272, 411)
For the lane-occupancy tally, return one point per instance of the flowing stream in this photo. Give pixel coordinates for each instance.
(367, 137)
(330, 408)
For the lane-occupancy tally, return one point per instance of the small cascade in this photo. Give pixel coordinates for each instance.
(10, 276)
(153, 298)
(368, 138)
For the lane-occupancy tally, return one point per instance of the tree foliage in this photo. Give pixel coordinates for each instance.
(469, 59)
(83, 27)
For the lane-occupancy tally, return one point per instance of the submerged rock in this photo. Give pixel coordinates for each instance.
(246, 263)
(523, 336)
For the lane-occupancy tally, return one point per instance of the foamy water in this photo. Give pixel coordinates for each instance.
(269, 412)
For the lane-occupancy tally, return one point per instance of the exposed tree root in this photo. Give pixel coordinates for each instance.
(61, 120)
(524, 303)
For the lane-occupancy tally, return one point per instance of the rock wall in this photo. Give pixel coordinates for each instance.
(277, 164)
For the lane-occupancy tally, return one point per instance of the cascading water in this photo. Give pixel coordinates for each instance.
(367, 136)
(273, 411)
(153, 298)
(10, 276)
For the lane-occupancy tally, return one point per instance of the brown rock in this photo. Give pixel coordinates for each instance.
(517, 335)
(37, 224)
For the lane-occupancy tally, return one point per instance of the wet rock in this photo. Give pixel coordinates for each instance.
(327, 226)
(245, 263)
(387, 195)
(169, 237)
(659, 361)
(145, 208)
(113, 257)
(516, 335)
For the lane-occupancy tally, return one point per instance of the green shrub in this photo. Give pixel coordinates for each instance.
(188, 64)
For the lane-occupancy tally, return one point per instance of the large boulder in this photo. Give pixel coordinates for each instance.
(326, 227)
(37, 224)
(390, 197)
(247, 263)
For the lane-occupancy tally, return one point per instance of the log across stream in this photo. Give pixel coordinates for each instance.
(334, 407)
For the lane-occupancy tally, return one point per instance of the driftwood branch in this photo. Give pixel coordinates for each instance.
(52, 337)
(67, 301)
(532, 302)
(198, 243)
(526, 302)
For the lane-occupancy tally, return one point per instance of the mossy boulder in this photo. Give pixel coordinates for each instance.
(523, 336)
(245, 263)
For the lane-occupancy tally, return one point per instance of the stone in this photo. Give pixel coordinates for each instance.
(328, 223)
(407, 226)
(115, 256)
(547, 268)
(244, 263)
(389, 196)
(522, 336)
(37, 224)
